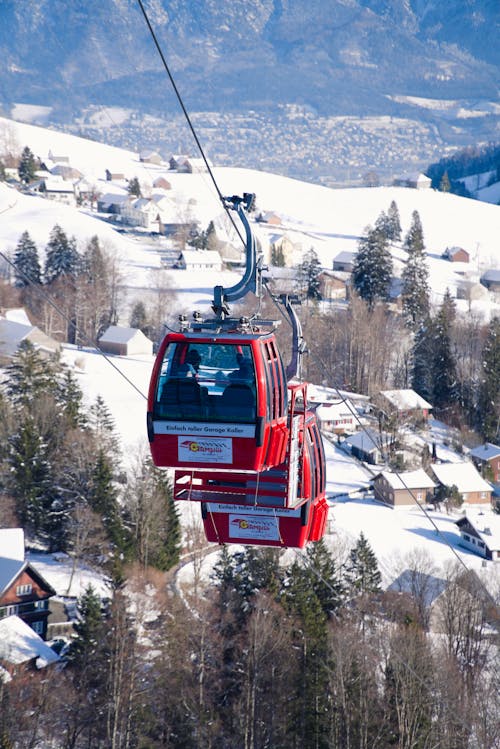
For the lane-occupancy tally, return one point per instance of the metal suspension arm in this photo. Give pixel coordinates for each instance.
(252, 278)
(298, 343)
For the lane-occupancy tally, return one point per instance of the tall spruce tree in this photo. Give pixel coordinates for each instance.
(362, 572)
(62, 258)
(394, 223)
(308, 275)
(422, 355)
(415, 278)
(373, 267)
(444, 368)
(27, 270)
(489, 389)
(27, 166)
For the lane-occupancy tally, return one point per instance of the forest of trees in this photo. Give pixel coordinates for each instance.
(464, 163)
(303, 652)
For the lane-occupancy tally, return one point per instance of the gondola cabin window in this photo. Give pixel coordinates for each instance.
(212, 382)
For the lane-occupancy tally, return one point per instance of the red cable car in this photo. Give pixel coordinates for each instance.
(241, 440)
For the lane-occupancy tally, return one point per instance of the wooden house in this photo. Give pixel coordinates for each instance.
(199, 260)
(480, 533)
(23, 590)
(344, 261)
(339, 417)
(471, 485)
(405, 403)
(491, 280)
(456, 255)
(417, 181)
(150, 157)
(404, 488)
(332, 285)
(125, 341)
(487, 455)
(12, 335)
(21, 648)
(369, 445)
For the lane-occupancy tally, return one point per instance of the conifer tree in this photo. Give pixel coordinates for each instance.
(134, 187)
(308, 275)
(27, 166)
(445, 185)
(362, 572)
(444, 375)
(27, 270)
(489, 388)
(393, 223)
(373, 267)
(62, 258)
(415, 278)
(422, 355)
(29, 376)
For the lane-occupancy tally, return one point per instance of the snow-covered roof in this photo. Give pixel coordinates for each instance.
(344, 257)
(11, 335)
(17, 314)
(11, 556)
(485, 452)
(118, 334)
(339, 410)
(201, 257)
(486, 525)
(19, 643)
(405, 400)
(408, 479)
(462, 475)
(367, 440)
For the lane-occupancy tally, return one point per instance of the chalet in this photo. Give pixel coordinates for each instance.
(471, 485)
(150, 157)
(332, 285)
(13, 333)
(344, 261)
(405, 403)
(456, 255)
(21, 648)
(58, 159)
(125, 341)
(161, 183)
(23, 591)
(194, 165)
(66, 171)
(369, 445)
(112, 202)
(199, 260)
(339, 417)
(281, 280)
(281, 248)
(273, 219)
(416, 181)
(177, 160)
(403, 488)
(59, 189)
(480, 533)
(487, 457)
(491, 280)
(114, 176)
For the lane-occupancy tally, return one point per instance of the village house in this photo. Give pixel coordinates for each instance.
(199, 260)
(281, 248)
(16, 329)
(456, 255)
(369, 446)
(417, 181)
(344, 261)
(487, 458)
(125, 341)
(114, 176)
(23, 590)
(405, 403)
(55, 188)
(177, 160)
(150, 157)
(268, 217)
(480, 533)
(339, 417)
(112, 202)
(333, 285)
(22, 649)
(404, 488)
(491, 280)
(192, 165)
(471, 485)
(162, 183)
(281, 280)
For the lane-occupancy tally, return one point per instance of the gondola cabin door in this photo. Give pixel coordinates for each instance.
(218, 401)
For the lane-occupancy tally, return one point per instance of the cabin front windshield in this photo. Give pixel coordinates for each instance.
(212, 382)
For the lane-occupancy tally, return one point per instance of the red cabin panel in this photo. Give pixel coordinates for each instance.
(214, 403)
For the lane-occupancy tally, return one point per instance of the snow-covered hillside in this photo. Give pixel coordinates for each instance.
(328, 220)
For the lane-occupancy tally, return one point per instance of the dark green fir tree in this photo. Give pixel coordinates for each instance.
(489, 388)
(415, 278)
(373, 267)
(62, 258)
(27, 166)
(27, 269)
(394, 223)
(308, 275)
(362, 572)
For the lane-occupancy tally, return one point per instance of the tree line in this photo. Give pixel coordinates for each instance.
(303, 653)
(61, 477)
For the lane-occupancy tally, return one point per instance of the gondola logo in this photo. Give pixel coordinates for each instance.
(244, 526)
(205, 450)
